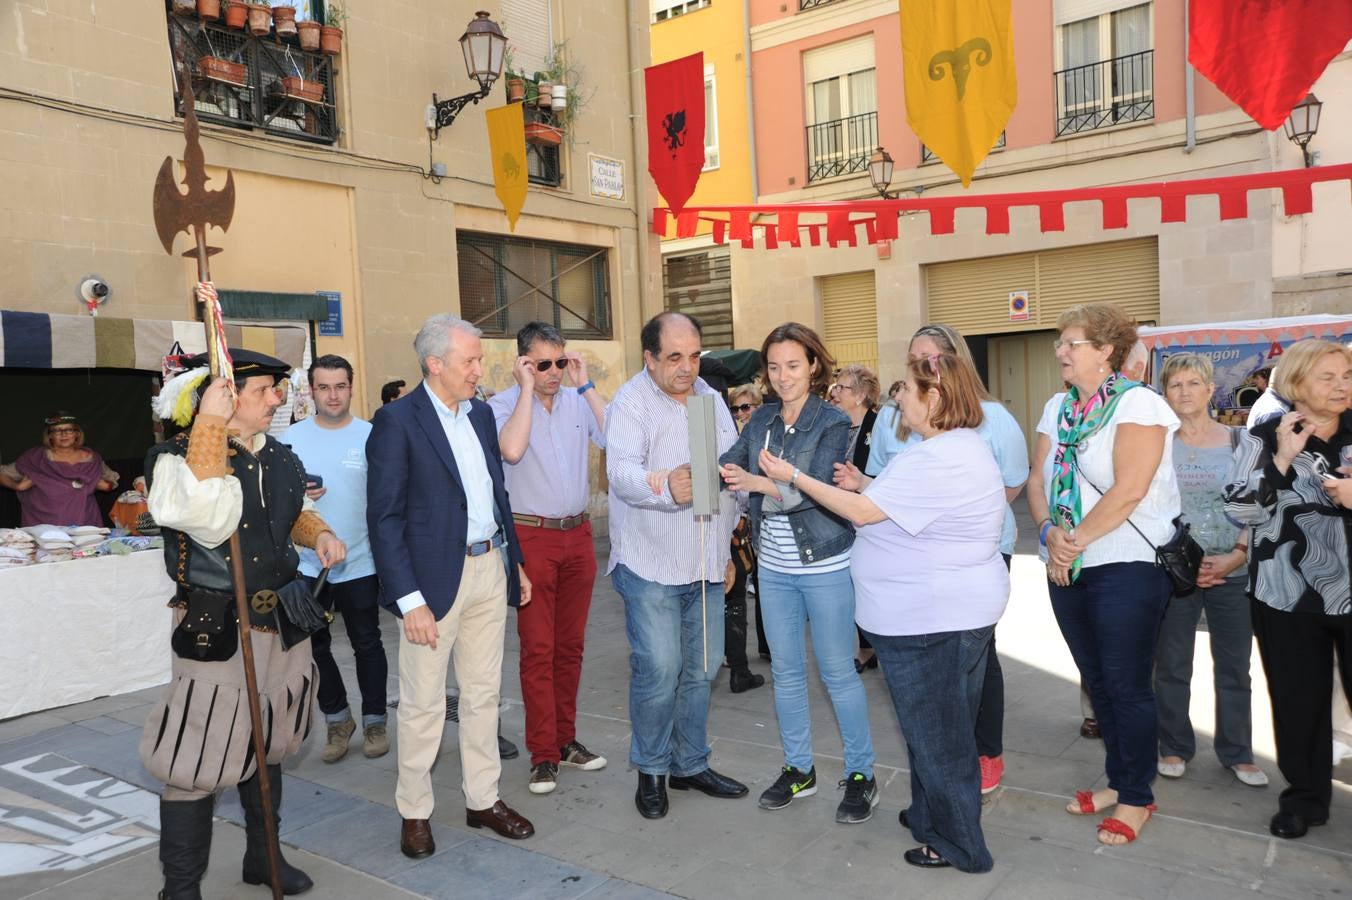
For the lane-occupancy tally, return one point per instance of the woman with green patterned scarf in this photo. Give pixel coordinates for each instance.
(1101, 465)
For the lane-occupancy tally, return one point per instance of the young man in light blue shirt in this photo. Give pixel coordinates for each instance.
(332, 447)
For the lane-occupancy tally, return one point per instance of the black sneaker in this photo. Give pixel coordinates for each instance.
(788, 787)
(861, 795)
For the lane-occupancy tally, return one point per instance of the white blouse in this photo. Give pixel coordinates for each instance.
(1154, 515)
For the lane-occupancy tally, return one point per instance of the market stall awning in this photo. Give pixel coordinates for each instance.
(838, 223)
(45, 341)
(1252, 331)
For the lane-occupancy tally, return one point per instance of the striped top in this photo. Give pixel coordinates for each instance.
(647, 431)
(778, 551)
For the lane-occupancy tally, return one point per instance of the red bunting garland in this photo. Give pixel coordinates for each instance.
(837, 223)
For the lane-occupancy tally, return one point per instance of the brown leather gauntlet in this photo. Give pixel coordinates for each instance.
(307, 529)
(206, 448)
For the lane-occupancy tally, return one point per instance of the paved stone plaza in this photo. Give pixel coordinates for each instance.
(78, 815)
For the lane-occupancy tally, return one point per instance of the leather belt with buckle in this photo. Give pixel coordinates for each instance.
(567, 524)
(479, 548)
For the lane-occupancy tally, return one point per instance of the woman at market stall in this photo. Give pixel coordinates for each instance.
(56, 481)
(1202, 453)
(1104, 494)
(1290, 480)
(930, 586)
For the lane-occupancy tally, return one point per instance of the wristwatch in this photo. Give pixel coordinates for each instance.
(586, 387)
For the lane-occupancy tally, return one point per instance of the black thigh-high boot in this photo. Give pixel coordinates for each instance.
(185, 846)
(256, 871)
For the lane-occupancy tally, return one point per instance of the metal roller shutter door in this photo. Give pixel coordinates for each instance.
(850, 319)
(973, 295)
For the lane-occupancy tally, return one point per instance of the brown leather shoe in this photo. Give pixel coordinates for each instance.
(502, 819)
(415, 839)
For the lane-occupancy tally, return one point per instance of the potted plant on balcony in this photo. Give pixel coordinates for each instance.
(309, 30)
(331, 35)
(543, 133)
(284, 17)
(564, 95)
(260, 18)
(236, 13)
(209, 9)
(515, 81)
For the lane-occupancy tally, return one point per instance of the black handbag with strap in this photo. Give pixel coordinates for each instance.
(1180, 557)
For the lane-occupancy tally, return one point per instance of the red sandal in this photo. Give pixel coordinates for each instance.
(1086, 801)
(1113, 825)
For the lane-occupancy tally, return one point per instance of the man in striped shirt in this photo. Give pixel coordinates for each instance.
(668, 565)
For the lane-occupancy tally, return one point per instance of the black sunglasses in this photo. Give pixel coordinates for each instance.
(744, 407)
(544, 365)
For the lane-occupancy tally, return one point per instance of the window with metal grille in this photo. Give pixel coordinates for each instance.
(266, 83)
(927, 155)
(1106, 67)
(662, 10)
(506, 282)
(699, 284)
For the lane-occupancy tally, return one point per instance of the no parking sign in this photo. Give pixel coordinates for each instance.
(1018, 306)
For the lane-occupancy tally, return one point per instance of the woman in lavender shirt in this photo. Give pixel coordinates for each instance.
(930, 585)
(56, 481)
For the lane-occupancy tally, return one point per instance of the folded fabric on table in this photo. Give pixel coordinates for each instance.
(48, 533)
(9, 562)
(13, 553)
(50, 556)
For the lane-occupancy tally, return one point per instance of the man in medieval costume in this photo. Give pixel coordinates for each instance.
(227, 474)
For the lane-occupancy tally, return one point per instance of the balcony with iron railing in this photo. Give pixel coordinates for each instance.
(254, 82)
(841, 146)
(812, 4)
(1103, 94)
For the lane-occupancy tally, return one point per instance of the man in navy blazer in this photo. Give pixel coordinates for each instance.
(449, 564)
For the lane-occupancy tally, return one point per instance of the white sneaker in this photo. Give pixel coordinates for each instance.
(1254, 777)
(1171, 770)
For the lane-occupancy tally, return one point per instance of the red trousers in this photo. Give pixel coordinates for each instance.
(561, 566)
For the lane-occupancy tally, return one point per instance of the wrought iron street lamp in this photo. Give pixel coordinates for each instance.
(880, 172)
(483, 44)
(1302, 123)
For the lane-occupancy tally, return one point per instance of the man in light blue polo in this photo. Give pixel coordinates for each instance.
(332, 447)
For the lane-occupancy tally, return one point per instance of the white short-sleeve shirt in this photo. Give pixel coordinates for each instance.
(1154, 515)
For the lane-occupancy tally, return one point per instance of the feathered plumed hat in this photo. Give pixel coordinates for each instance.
(179, 396)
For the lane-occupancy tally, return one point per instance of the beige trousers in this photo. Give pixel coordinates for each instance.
(471, 637)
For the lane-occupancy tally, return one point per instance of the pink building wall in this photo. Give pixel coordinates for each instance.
(780, 101)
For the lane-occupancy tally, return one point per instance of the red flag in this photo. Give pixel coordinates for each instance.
(676, 126)
(1266, 54)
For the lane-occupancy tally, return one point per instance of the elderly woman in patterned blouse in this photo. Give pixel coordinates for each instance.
(1290, 480)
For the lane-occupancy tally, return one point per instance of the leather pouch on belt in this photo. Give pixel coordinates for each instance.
(299, 613)
(208, 632)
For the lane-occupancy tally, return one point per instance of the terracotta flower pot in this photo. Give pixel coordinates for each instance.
(540, 133)
(545, 94)
(331, 40)
(516, 90)
(235, 15)
(209, 9)
(284, 20)
(214, 68)
(298, 88)
(260, 18)
(309, 34)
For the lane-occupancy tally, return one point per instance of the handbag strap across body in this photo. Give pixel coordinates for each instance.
(1149, 543)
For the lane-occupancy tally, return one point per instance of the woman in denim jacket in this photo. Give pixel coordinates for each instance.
(804, 557)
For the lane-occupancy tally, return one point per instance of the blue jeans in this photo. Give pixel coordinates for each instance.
(1110, 617)
(827, 601)
(668, 678)
(935, 682)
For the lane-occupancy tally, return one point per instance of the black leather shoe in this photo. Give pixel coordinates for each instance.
(708, 782)
(1291, 825)
(745, 680)
(904, 819)
(651, 796)
(506, 749)
(925, 857)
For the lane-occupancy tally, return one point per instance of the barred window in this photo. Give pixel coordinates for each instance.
(506, 282)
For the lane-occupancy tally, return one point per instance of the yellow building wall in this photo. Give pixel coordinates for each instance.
(719, 30)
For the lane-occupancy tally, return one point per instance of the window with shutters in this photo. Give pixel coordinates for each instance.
(842, 108)
(710, 120)
(529, 27)
(661, 10)
(506, 282)
(1105, 64)
(699, 284)
(850, 318)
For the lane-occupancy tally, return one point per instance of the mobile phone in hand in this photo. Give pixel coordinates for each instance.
(314, 481)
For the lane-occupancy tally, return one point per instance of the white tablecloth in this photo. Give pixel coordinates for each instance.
(73, 631)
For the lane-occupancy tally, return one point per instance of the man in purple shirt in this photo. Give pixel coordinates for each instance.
(544, 430)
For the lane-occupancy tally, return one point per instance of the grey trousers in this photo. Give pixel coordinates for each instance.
(1231, 631)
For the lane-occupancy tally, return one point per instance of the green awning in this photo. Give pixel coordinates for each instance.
(273, 305)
